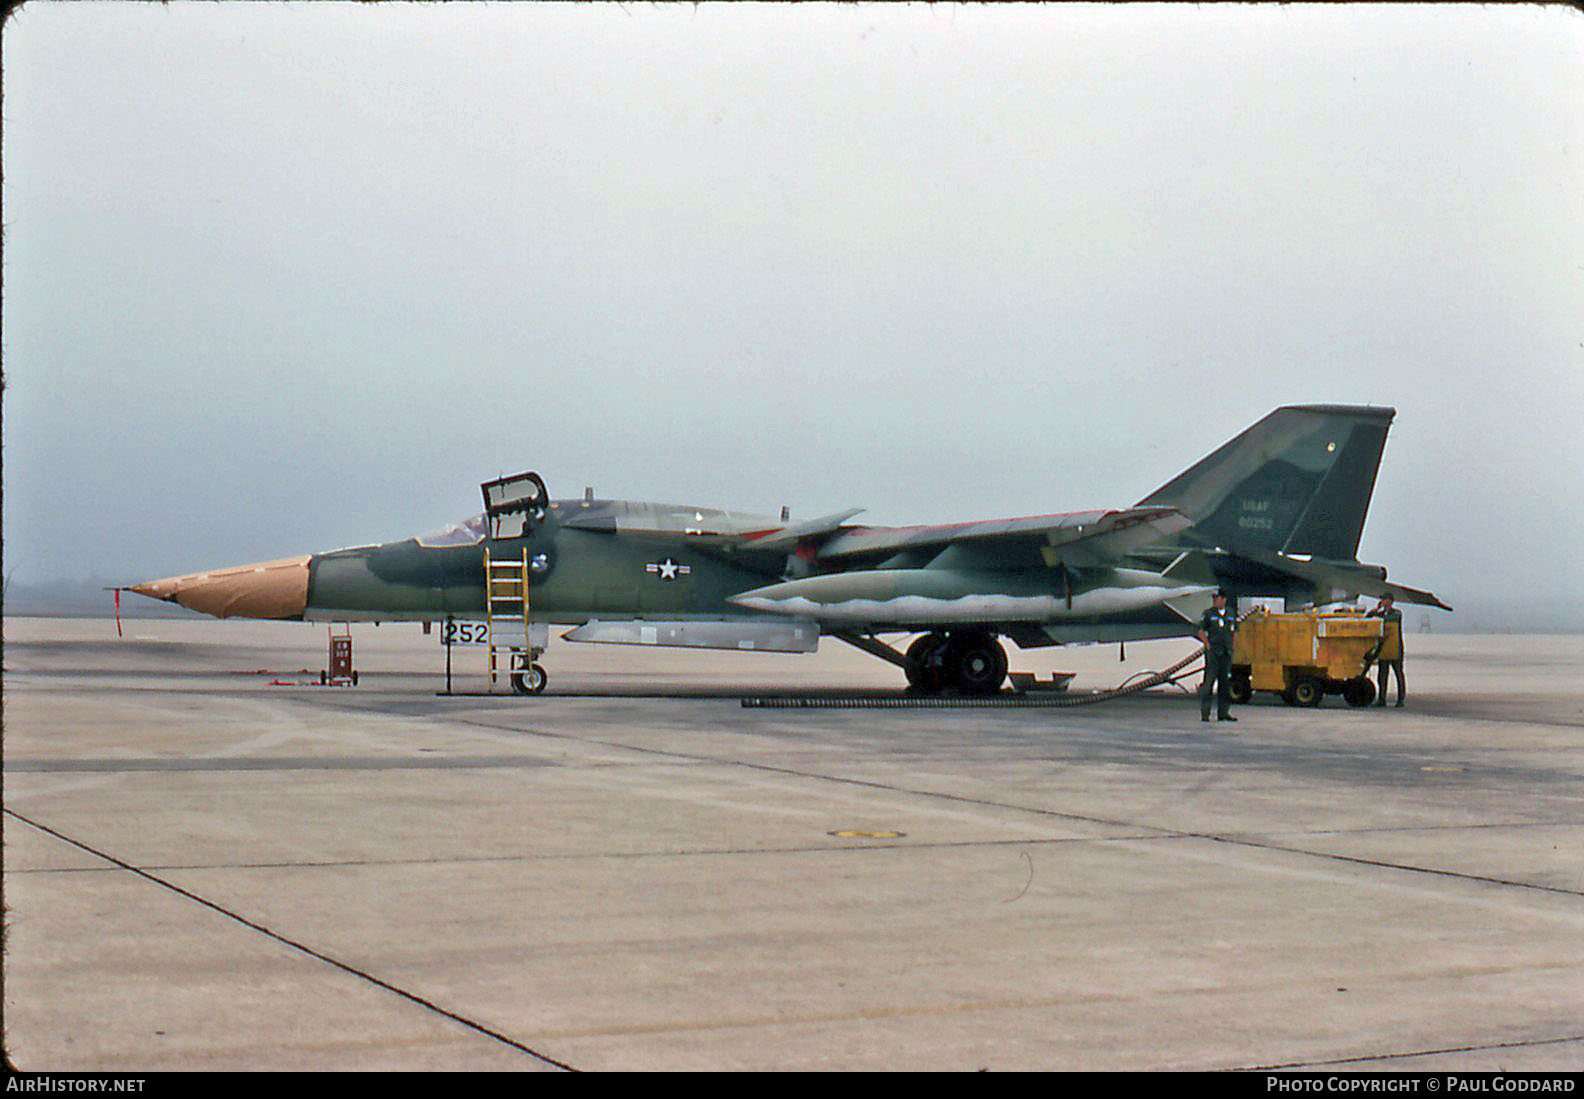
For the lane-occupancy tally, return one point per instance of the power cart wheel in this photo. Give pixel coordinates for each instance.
(1358, 692)
(1241, 690)
(1308, 692)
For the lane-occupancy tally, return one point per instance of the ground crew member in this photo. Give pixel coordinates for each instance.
(1216, 628)
(1391, 647)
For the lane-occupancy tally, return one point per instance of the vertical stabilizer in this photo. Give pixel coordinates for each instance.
(1299, 482)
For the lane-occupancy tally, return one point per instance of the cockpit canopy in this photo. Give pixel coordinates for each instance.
(513, 505)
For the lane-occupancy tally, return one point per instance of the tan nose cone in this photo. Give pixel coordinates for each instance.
(270, 589)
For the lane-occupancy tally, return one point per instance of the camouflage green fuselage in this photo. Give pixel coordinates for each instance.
(607, 558)
(612, 560)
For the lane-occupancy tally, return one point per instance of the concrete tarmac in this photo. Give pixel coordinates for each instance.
(211, 862)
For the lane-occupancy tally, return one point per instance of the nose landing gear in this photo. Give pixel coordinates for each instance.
(527, 677)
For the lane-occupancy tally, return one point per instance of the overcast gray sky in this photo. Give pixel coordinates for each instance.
(286, 277)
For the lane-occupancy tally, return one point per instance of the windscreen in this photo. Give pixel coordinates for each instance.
(466, 533)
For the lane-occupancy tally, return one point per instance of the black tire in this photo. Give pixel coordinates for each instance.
(531, 680)
(977, 663)
(1358, 692)
(924, 668)
(1241, 690)
(1308, 692)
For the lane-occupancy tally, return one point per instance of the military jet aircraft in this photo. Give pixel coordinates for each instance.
(1277, 511)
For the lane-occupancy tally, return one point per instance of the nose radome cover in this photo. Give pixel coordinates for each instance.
(269, 589)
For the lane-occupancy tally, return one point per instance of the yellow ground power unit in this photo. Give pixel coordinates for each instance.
(1306, 656)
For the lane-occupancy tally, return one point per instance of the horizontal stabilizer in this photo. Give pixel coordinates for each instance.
(1192, 567)
(1406, 594)
(1191, 607)
(1339, 582)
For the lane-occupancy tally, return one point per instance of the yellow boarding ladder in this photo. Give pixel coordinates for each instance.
(506, 612)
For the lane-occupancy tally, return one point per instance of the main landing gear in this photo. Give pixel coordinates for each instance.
(970, 661)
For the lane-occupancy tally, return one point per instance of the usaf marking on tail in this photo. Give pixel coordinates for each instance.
(1277, 511)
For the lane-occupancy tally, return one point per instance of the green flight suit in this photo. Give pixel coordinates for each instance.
(1217, 626)
(1391, 651)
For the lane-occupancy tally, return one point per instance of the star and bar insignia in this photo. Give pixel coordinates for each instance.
(667, 569)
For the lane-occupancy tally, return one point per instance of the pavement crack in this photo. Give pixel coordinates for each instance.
(284, 940)
(575, 856)
(1387, 865)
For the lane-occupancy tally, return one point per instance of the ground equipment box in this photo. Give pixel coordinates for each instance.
(1306, 656)
(340, 673)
